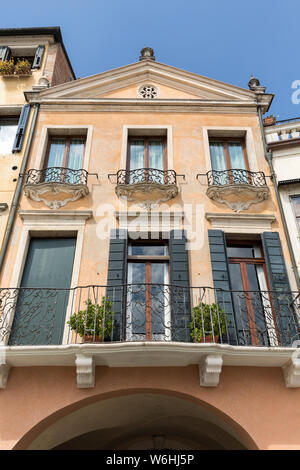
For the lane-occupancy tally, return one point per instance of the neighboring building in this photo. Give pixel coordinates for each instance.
(283, 141)
(148, 197)
(30, 58)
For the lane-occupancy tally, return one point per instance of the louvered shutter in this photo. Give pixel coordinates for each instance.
(21, 128)
(5, 53)
(285, 308)
(116, 280)
(180, 287)
(38, 57)
(221, 279)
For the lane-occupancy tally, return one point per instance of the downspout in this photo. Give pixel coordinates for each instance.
(18, 190)
(269, 156)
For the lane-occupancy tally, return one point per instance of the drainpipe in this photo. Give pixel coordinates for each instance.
(18, 190)
(269, 156)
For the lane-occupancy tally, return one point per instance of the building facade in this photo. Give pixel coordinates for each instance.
(30, 58)
(148, 294)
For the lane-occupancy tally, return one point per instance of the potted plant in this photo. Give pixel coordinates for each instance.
(269, 120)
(7, 67)
(95, 322)
(23, 67)
(208, 323)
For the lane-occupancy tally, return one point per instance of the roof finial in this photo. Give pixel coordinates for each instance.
(147, 53)
(254, 85)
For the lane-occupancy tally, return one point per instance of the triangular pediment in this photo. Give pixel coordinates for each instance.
(171, 83)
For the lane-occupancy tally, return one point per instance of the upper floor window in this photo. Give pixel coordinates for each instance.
(146, 153)
(229, 155)
(8, 129)
(64, 155)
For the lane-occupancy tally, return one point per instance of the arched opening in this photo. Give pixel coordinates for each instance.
(142, 420)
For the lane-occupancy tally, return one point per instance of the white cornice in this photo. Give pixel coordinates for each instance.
(241, 223)
(210, 358)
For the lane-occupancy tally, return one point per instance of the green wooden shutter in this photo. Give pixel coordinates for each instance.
(38, 57)
(221, 279)
(21, 128)
(116, 280)
(5, 53)
(282, 298)
(180, 287)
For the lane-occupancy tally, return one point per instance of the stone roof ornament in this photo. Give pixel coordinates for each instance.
(254, 85)
(147, 53)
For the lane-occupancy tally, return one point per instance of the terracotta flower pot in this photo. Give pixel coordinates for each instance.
(269, 121)
(208, 339)
(92, 339)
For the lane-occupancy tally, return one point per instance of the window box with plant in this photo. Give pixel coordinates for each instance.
(23, 67)
(95, 322)
(7, 67)
(209, 322)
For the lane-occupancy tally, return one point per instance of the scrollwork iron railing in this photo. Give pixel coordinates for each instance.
(57, 175)
(148, 312)
(225, 177)
(146, 175)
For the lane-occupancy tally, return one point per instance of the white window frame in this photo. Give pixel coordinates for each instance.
(46, 222)
(233, 132)
(142, 130)
(62, 130)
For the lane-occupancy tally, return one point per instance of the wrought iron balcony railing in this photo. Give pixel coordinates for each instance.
(57, 175)
(225, 177)
(148, 312)
(146, 175)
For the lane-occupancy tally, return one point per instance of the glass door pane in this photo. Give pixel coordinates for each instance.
(236, 155)
(136, 302)
(75, 160)
(55, 159)
(239, 304)
(137, 161)
(262, 307)
(218, 162)
(160, 302)
(156, 160)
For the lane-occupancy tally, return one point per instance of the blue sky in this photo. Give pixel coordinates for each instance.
(222, 39)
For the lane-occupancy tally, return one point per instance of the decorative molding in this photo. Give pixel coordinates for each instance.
(41, 217)
(210, 369)
(147, 195)
(148, 91)
(150, 221)
(238, 197)
(241, 223)
(4, 371)
(291, 373)
(34, 192)
(85, 370)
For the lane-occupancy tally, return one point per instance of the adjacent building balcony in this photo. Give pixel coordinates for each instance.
(56, 186)
(146, 186)
(237, 188)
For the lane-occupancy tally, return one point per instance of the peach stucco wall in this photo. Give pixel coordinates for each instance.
(254, 401)
(105, 157)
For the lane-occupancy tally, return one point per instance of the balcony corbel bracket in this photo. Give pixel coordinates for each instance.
(291, 372)
(210, 369)
(85, 371)
(4, 371)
